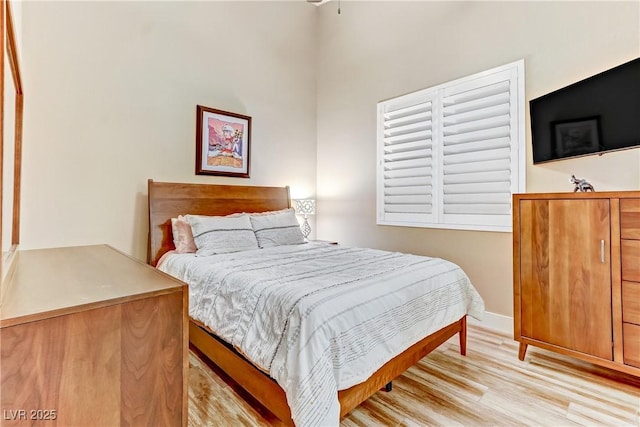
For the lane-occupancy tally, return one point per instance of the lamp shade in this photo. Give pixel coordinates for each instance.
(305, 206)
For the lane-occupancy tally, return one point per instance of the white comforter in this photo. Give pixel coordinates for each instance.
(321, 318)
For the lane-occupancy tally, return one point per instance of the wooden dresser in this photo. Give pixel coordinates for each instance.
(92, 337)
(630, 258)
(576, 263)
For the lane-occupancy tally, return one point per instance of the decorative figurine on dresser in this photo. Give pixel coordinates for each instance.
(581, 184)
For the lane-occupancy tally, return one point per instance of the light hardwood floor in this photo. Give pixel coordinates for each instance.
(489, 386)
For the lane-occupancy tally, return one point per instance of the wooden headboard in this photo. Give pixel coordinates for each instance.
(168, 200)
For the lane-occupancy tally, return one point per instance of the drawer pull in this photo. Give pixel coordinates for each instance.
(602, 251)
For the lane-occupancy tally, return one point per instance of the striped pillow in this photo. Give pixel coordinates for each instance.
(221, 235)
(277, 228)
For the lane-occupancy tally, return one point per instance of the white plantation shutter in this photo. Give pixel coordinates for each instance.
(406, 159)
(452, 156)
(478, 130)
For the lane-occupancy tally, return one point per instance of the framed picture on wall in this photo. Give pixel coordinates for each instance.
(222, 143)
(575, 137)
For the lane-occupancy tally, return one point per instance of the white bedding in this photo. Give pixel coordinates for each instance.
(321, 318)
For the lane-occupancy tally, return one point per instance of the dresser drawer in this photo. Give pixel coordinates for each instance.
(630, 251)
(631, 302)
(630, 218)
(631, 338)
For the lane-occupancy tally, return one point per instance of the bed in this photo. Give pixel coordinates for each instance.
(168, 200)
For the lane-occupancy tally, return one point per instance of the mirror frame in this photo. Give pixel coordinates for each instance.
(8, 46)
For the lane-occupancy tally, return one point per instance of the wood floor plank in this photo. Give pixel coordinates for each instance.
(488, 387)
(599, 415)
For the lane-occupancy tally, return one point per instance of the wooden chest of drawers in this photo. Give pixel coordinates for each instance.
(92, 337)
(630, 272)
(577, 276)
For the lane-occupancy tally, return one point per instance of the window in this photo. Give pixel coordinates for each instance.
(451, 156)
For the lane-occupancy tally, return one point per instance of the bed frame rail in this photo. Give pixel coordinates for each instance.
(266, 391)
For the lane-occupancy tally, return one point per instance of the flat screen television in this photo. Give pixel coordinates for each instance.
(593, 116)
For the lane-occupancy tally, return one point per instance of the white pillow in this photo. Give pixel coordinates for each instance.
(222, 234)
(277, 228)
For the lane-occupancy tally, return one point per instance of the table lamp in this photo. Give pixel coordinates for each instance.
(305, 207)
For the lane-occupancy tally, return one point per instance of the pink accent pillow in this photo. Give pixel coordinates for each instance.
(182, 235)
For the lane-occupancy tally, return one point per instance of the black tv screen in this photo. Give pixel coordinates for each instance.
(595, 115)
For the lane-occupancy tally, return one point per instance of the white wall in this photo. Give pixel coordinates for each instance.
(111, 90)
(378, 50)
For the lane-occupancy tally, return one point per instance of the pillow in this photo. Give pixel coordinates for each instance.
(221, 235)
(182, 235)
(277, 228)
(251, 214)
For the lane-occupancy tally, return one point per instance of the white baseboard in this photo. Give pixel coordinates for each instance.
(494, 321)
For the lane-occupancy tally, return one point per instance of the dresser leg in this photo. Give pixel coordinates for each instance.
(522, 350)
